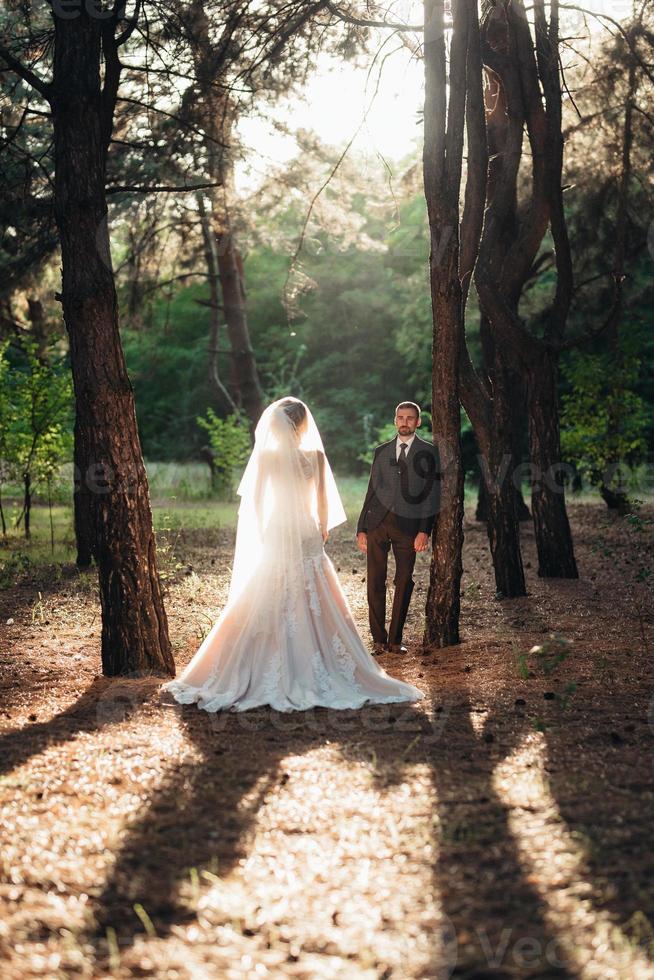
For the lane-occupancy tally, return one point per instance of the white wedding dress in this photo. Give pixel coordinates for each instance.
(286, 637)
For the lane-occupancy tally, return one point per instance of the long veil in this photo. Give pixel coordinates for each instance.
(288, 495)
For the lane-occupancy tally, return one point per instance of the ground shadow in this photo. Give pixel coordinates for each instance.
(597, 716)
(103, 702)
(600, 770)
(493, 926)
(495, 913)
(197, 819)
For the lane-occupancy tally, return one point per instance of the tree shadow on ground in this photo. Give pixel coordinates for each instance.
(203, 815)
(496, 916)
(104, 701)
(600, 770)
(596, 712)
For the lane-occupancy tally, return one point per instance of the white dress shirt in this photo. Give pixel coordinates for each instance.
(399, 443)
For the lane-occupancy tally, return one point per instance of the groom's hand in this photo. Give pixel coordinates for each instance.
(422, 541)
(362, 541)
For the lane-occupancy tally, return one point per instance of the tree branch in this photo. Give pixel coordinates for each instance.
(44, 88)
(111, 81)
(158, 188)
(131, 24)
(477, 171)
(365, 22)
(170, 115)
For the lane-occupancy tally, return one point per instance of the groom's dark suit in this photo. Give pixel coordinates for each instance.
(402, 500)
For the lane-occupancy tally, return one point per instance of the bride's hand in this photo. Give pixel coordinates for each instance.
(325, 535)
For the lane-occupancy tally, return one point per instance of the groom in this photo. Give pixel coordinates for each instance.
(399, 512)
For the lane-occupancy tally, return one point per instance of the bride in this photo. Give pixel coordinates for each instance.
(286, 637)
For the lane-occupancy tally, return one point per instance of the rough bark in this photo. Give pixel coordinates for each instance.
(555, 560)
(486, 398)
(134, 624)
(511, 239)
(442, 155)
(518, 413)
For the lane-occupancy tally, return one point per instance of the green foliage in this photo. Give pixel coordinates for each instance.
(230, 443)
(35, 417)
(603, 419)
(13, 568)
(167, 364)
(547, 656)
(357, 336)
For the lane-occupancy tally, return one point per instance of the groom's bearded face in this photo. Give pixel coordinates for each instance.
(406, 422)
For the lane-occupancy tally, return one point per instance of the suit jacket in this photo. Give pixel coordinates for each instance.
(412, 494)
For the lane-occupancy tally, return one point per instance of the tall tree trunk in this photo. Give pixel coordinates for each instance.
(497, 501)
(493, 425)
(230, 266)
(552, 530)
(502, 526)
(215, 113)
(224, 400)
(27, 503)
(485, 396)
(442, 155)
(553, 535)
(134, 624)
(512, 237)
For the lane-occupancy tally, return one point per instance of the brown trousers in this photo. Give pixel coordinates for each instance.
(385, 536)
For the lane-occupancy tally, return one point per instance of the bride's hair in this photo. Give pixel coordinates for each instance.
(296, 411)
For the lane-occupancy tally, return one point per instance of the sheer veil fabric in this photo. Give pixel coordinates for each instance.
(286, 637)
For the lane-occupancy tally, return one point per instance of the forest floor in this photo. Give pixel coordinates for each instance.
(500, 828)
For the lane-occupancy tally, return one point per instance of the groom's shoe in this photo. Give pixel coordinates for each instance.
(397, 648)
(379, 648)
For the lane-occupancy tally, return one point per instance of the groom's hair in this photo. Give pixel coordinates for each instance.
(408, 405)
(295, 410)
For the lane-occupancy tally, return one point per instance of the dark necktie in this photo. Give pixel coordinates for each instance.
(402, 460)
